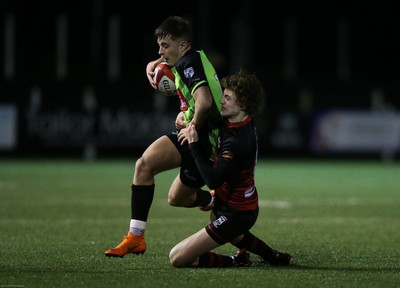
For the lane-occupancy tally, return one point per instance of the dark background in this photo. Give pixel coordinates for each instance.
(75, 70)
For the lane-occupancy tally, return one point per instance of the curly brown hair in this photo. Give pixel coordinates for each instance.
(248, 89)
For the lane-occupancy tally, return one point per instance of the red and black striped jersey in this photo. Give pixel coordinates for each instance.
(232, 174)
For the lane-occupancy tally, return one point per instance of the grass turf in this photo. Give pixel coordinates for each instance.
(339, 219)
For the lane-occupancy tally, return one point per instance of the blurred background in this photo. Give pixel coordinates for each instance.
(73, 83)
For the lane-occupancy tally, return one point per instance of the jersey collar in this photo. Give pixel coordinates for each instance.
(238, 124)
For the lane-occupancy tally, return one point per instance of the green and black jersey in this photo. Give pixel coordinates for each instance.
(194, 70)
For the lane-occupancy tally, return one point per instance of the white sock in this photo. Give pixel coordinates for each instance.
(137, 227)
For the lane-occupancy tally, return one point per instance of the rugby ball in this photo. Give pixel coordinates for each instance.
(165, 79)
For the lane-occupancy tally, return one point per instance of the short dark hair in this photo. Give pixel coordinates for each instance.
(248, 89)
(176, 27)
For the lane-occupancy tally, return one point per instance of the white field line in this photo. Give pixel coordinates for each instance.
(351, 201)
(101, 221)
(278, 204)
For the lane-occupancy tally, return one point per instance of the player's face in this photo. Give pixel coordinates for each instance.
(170, 50)
(230, 109)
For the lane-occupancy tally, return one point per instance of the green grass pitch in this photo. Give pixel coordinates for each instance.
(339, 219)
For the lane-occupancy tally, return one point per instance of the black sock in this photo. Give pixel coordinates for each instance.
(212, 260)
(141, 200)
(203, 198)
(257, 246)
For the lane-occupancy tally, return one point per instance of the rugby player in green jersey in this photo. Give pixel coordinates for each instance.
(200, 94)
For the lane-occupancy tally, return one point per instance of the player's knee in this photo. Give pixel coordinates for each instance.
(140, 165)
(174, 259)
(173, 200)
(179, 199)
(143, 167)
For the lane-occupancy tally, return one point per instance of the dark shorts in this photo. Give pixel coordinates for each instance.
(230, 223)
(189, 174)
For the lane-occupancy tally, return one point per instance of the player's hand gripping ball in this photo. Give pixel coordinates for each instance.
(165, 79)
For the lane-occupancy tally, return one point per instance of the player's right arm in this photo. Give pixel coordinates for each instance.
(151, 66)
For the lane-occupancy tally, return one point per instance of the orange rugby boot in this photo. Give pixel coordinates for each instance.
(130, 244)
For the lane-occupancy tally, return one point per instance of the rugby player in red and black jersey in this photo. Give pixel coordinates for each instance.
(231, 176)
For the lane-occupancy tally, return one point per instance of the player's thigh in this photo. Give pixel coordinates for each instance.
(161, 155)
(180, 194)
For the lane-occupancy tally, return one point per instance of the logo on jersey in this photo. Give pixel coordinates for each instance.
(219, 142)
(189, 72)
(227, 155)
(249, 192)
(219, 221)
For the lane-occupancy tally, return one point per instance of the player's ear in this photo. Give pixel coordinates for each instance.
(184, 46)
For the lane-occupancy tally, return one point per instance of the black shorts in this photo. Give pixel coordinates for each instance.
(230, 223)
(189, 174)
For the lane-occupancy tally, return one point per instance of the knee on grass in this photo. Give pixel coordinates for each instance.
(178, 260)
